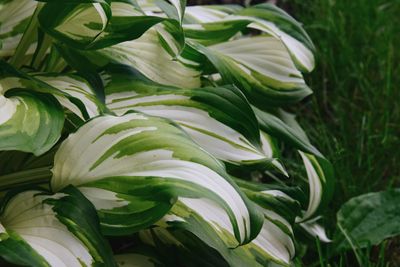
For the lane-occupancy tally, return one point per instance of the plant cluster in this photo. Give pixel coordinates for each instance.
(148, 133)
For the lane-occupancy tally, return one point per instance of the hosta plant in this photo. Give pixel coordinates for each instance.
(148, 133)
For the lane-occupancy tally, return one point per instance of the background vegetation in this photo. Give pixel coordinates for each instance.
(354, 115)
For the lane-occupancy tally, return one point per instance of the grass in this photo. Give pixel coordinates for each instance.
(354, 115)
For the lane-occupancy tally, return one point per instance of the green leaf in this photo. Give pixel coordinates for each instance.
(368, 219)
(52, 230)
(126, 24)
(280, 129)
(136, 166)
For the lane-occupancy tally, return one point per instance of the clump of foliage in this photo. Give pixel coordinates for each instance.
(149, 134)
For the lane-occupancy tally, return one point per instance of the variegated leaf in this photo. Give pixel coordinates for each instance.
(77, 24)
(318, 169)
(219, 119)
(38, 229)
(29, 121)
(273, 244)
(276, 22)
(261, 67)
(146, 54)
(74, 93)
(134, 168)
(203, 21)
(14, 18)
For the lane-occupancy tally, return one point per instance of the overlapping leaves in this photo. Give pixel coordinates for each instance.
(145, 111)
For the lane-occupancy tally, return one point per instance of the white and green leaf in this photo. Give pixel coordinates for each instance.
(14, 18)
(74, 93)
(52, 230)
(203, 219)
(209, 24)
(219, 119)
(134, 167)
(29, 121)
(276, 22)
(260, 66)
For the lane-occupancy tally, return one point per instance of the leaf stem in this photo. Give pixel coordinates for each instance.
(33, 176)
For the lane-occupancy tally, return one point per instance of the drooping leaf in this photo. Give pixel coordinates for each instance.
(368, 219)
(320, 180)
(219, 119)
(278, 23)
(207, 223)
(207, 21)
(316, 230)
(138, 166)
(261, 67)
(38, 229)
(275, 126)
(318, 169)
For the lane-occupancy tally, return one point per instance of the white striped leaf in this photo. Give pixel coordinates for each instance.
(320, 181)
(261, 67)
(210, 24)
(205, 220)
(318, 169)
(316, 230)
(29, 121)
(38, 229)
(219, 119)
(147, 55)
(14, 18)
(170, 30)
(100, 25)
(77, 24)
(134, 167)
(208, 13)
(276, 22)
(74, 93)
(206, 22)
(275, 242)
